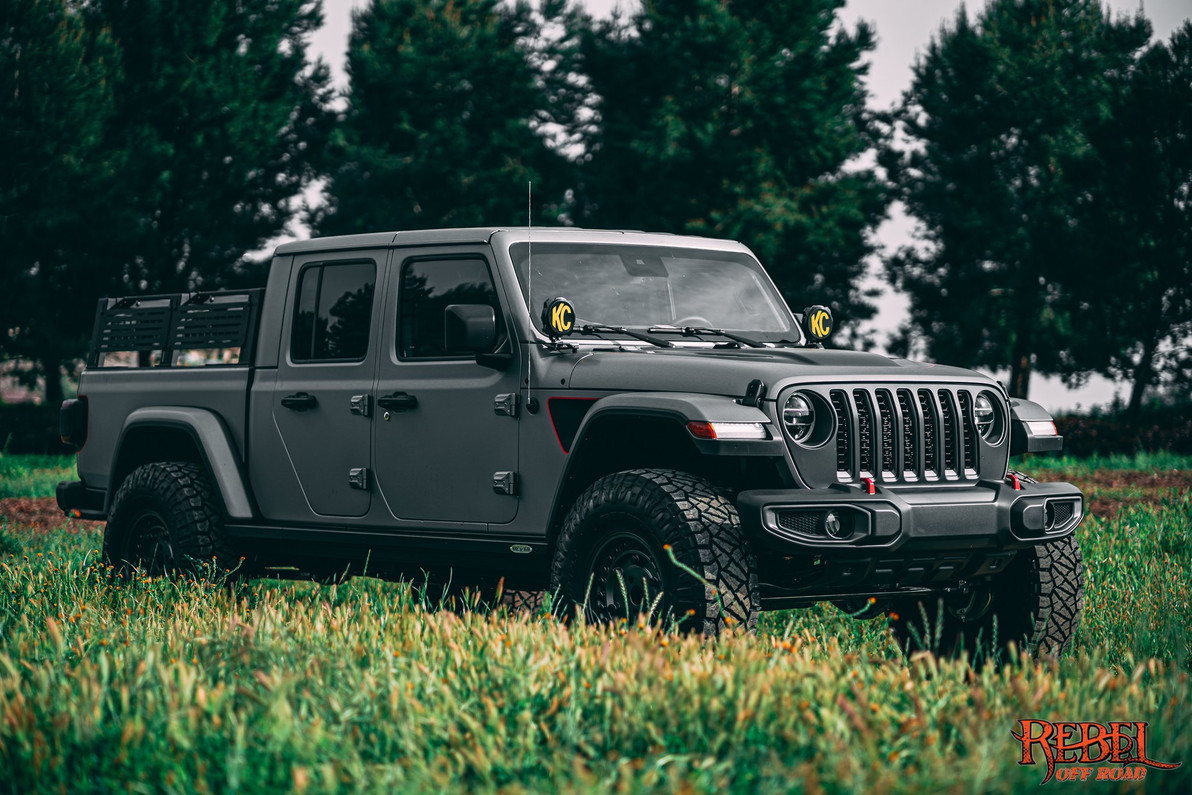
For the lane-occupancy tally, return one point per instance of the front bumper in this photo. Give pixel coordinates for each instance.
(988, 514)
(926, 539)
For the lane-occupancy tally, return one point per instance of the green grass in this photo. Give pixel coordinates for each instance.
(1142, 461)
(159, 685)
(34, 475)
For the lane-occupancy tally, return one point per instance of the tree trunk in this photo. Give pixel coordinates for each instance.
(52, 368)
(1144, 374)
(1020, 369)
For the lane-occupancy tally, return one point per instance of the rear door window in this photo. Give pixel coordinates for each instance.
(333, 312)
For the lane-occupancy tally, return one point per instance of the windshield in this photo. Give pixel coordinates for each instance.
(645, 286)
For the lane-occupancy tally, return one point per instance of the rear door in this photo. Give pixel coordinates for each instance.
(446, 427)
(322, 399)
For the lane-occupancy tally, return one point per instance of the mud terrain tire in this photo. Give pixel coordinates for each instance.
(165, 517)
(630, 523)
(1037, 602)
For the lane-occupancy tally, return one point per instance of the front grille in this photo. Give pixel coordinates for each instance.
(910, 450)
(905, 435)
(886, 412)
(948, 423)
(844, 439)
(931, 463)
(864, 431)
(970, 431)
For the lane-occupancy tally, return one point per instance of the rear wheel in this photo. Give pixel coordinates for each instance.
(1035, 603)
(658, 543)
(165, 518)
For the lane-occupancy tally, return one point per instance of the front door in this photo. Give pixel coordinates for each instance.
(446, 427)
(322, 401)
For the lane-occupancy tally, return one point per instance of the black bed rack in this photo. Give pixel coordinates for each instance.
(176, 323)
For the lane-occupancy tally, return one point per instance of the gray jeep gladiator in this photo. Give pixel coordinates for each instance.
(633, 422)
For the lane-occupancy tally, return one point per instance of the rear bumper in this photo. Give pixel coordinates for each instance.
(75, 499)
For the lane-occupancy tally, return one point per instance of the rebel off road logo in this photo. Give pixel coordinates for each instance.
(1114, 751)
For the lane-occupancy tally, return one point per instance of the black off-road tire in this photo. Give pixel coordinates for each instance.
(1037, 602)
(651, 514)
(166, 517)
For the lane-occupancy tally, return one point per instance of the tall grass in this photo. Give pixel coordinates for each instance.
(184, 686)
(33, 475)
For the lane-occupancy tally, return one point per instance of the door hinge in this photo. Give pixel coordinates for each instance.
(358, 478)
(361, 405)
(506, 404)
(505, 483)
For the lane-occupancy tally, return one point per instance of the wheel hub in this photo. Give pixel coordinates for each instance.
(626, 579)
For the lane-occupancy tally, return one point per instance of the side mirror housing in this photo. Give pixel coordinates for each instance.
(1032, 429)
(473, 328)
(469, 327)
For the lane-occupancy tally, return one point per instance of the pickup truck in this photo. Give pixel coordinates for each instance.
(635, 423)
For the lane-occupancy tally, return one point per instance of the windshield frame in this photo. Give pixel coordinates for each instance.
(515, 254)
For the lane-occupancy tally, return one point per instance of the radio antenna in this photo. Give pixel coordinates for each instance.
(529, 291)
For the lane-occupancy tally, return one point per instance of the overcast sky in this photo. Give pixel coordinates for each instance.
(903, 28)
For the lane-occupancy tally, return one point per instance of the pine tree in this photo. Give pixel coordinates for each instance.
(1132, 288)
(443, 120)
(56, 76)
(996, 123)
(221, 114)
(736, 119)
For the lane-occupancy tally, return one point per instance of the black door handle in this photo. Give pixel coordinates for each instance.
(398, 401)
(300, 401)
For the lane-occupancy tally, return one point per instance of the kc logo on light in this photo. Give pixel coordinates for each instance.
(558, 317)
(819, 321)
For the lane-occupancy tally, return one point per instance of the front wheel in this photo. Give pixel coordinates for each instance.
(165, 518)
(658, 543)
(1036, 603)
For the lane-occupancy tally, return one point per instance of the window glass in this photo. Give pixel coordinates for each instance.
(643, 286)
(428, 287)
(333, 313)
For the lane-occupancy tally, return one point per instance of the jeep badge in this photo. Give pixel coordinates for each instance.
(817, 322)
(558, 317)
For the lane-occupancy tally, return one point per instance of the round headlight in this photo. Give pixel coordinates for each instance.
(984, 415)
(798, 417)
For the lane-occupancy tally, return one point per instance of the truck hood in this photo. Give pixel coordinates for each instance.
(727, 371)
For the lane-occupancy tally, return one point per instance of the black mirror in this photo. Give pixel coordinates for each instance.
(469, 327)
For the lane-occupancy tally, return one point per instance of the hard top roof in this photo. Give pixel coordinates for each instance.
(483, 234)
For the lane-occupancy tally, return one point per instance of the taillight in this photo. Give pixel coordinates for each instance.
(72, 422)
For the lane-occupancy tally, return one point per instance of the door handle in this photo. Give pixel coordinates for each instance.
(398, 401)
(300, 401)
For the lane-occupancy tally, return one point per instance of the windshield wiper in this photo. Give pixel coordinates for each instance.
(591, 329)
(695, 331)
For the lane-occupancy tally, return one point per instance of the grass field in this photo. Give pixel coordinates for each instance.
(158, 685)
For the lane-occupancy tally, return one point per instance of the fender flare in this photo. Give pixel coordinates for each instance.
(685, 407)
(681, 408)
(214, 444)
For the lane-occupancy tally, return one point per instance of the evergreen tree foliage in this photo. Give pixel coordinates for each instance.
(1132, 280)
(997, 124)
(221, 114)
(56, 77)
(444, 117)
(735, 119)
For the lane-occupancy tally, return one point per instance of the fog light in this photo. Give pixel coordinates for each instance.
(833, 526)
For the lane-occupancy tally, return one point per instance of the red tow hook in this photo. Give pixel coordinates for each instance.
(1013, 479)
(869, 487)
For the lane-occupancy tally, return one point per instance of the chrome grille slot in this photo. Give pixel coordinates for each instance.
(886, 412)
(844, 450)
(948, 424)
(910, 461)
(864, 432)
(968, 432)
(931, 463)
